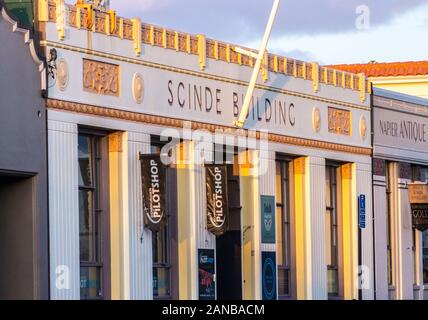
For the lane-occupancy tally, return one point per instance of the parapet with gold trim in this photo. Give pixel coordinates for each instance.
(85, 16)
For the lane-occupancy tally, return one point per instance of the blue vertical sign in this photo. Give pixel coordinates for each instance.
(268, 276)
(362, 211)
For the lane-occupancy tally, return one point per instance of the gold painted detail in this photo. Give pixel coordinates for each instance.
(136, 35)
(89, 12)
(101, 78)
(115, 142)
(315, 76)
(202, 51)
(172, 122)
(188, 44)
(60, 18)
(339, 121)
(112, 21)
(199, 74)
(300, 166)
(362, 86)
(43, 10)
(265, 67)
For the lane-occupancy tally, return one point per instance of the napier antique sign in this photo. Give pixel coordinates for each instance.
(418, 194)
(100, 77)
(217, 202)
(267, 204)
(153, 173)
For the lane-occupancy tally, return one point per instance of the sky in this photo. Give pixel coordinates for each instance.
(326, 31)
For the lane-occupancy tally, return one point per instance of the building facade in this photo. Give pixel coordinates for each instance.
(292, 231)
(400, 159)
(23, 171)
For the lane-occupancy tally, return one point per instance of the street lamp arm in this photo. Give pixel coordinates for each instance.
(246, 105)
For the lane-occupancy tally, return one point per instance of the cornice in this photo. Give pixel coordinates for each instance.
(179, 123)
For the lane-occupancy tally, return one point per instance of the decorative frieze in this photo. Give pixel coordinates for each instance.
(100, 78)
(339, 121)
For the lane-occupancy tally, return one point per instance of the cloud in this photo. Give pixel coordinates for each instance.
(401, 39)
(244, 20)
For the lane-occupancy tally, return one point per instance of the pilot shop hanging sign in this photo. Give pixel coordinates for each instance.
(217, 202)
(418, 194)
(153, 174)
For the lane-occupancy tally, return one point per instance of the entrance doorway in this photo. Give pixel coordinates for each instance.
(17, 208)
(229, 245)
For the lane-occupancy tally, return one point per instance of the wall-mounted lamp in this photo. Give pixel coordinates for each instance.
(53, 56)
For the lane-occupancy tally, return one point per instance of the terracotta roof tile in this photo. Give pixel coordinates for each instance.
(393, 69)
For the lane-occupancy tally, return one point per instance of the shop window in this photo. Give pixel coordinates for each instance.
(164, 242)
(93, 218)
(332, 232)
(420, 174)
(424, 177)
(283, 229)
(388, 197)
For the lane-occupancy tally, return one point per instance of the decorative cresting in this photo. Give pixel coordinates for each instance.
(62, 74)
(90, 17)
(95, 16)
(138, 88)
(363, 128)
(171, 122)
(316, 119)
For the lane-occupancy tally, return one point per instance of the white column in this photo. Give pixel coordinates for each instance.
(381, 255)
(140, 239)
(364, 186)
(250, 200)
(63, 211)
(404, 242)
(204, 238)
(316, 197)
(187, 211)
(419, 290)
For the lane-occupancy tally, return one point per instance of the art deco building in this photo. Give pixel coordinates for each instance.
(294, 220)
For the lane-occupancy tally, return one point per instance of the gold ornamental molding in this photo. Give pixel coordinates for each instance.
(95, 16)
(178, 123)
(198, 74)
